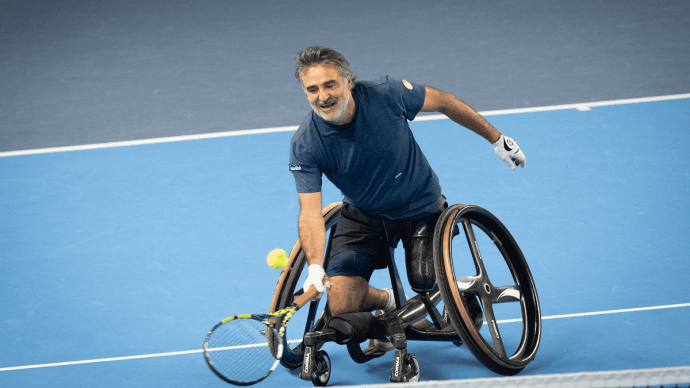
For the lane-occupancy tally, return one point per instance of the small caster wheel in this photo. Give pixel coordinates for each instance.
(412, 369)
(323, 369)
(409, 372)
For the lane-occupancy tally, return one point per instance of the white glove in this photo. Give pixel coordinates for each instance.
(315, 278)
(508, 150)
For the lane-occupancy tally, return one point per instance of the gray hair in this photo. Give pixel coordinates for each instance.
(324, 56)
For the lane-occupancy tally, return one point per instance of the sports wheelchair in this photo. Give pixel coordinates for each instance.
(463, 289)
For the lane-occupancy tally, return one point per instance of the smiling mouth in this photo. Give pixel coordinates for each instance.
(327, 105)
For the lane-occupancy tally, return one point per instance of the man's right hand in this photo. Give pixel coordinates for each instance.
(315, 278)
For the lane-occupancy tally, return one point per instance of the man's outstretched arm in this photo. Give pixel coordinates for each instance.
(312, 236)
(458, 111)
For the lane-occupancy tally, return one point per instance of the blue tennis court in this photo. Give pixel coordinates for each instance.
(128, 252)
(143, 173)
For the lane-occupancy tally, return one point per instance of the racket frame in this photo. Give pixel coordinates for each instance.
(269, 320)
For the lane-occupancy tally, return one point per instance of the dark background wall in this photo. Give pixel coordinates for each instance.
(82, 72)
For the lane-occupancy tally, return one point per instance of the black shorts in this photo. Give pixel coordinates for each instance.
(363, 242)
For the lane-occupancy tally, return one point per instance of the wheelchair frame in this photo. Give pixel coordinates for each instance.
(457, 324)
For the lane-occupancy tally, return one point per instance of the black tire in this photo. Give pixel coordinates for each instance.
(323, 373)
(310, 317)
(459, 281)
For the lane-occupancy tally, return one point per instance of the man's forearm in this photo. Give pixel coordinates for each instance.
(312, 237)
(459, 112)
(464, 115)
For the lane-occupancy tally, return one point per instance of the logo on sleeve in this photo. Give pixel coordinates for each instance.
(295, 167)
(407, 85)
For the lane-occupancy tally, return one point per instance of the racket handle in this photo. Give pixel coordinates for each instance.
(310, 294)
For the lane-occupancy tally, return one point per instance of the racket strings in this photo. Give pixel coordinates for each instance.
(239, 350)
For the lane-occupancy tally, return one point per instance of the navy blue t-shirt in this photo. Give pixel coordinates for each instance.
(375, 160)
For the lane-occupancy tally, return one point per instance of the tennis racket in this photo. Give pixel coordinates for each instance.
(245, 349)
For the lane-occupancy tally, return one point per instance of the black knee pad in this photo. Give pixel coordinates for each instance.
(354, 327)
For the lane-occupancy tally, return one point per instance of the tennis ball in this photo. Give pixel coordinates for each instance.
(276, 258)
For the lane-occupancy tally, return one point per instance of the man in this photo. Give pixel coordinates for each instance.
(358, 136)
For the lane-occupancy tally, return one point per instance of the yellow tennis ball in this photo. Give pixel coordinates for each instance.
(276, 258)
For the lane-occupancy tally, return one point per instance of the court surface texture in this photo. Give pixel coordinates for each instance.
(132, 221)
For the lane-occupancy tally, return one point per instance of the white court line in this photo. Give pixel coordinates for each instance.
(668, 306)
(149, 141)
(102, 360)
(670, 376)
(584, 106)
(293, 341)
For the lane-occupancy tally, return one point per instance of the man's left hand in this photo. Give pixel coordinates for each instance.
(508, 150)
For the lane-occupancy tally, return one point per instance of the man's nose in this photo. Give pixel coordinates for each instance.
(323, 96)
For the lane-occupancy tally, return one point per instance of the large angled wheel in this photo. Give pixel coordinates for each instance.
(289, 287)
(476, 256)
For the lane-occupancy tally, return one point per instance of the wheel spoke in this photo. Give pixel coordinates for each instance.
(467, 283)
(507, 294)
(493, 327)
(472, 241)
